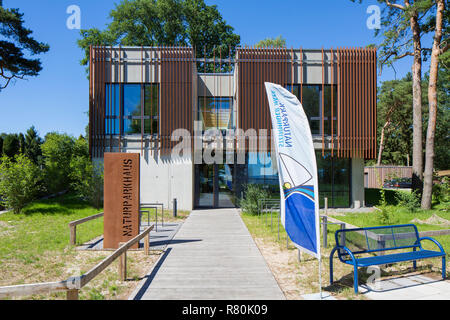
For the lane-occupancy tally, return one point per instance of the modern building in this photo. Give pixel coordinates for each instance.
(140, 95)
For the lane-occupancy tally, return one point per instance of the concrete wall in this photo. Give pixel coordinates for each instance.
(357, 182)
(163, 179)
(310, 72)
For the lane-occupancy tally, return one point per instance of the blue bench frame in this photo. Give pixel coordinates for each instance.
(384, 259)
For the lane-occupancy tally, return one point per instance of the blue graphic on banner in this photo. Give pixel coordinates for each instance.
(300, 216)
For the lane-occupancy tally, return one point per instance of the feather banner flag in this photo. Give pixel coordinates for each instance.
(297, 169)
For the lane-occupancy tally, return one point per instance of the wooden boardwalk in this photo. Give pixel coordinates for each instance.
(211, 257)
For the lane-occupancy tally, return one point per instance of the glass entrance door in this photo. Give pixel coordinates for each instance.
(205, 182)
(225, 186)
(214, 186)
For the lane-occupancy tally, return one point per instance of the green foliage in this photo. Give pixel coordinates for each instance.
(375, 197)
(394, 107)
(57, 151)
(11, 145)
(164, 22)
(252, 193)
(20, 182)
(87, 180)
(16, 46)
(441, 191)
(21, 138)
(278, 42)
(442, 134)
(33, 145)
(385, 216)
(395, 27)
(409, 200)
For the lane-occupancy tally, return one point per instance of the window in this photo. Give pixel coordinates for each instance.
(112, 106)
(334, 180)
(216, 113)
(151, 109)
(131, 108)
(123, 108)
(333, 177)
(312, 104)
(261, 170)
(328, 107)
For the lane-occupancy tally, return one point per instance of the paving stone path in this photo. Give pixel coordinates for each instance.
(414, 287)
(212, 256)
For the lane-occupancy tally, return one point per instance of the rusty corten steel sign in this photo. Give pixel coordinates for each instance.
(121, 198)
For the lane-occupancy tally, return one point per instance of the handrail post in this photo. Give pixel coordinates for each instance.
(123, 264)
(175, 207)
(147, 244)
(73, 235)
(72, 294)
(325, 231)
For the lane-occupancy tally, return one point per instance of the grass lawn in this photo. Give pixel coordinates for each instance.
(34, 247)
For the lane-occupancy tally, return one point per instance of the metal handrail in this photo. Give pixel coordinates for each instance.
(145, 205)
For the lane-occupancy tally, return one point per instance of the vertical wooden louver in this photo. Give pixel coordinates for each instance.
(257, 66)
(97, 79)
(356, 136)
(176, 94)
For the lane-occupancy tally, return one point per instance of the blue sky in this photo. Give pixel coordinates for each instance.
(57, 100)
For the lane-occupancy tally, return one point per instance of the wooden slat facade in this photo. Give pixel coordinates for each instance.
(353, 71)
(171, 68)
(176, 94)
(356, 135)
(256, 66)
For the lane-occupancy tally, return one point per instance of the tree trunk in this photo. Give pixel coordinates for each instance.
(432, 104)
(380, 149)
(417, 156)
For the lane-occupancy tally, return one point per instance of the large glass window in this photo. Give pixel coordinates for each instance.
(262, 170)
(327, 108)
(123, 108)
(333, 176)
(334, 180)
(216, 113)
(312, 104)
(112, 109)
(151, 109)
(131, 108)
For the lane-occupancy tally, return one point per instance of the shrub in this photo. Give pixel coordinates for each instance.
(385, 216)
(20, 182)
(57, 151)
(441, 191)
(87, 180)
(11, 145)
(252, 193)
(409, 200)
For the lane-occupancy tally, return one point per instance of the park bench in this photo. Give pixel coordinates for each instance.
(357, 247)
